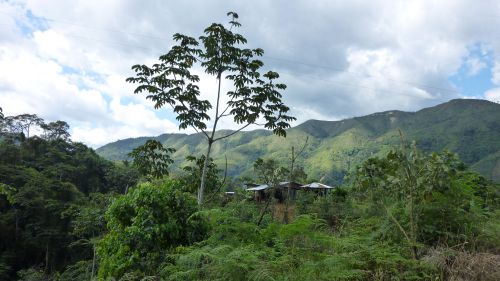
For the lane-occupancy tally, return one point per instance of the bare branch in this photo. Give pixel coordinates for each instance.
(303, 148)
(221, 184)
(232, 133)
(224, 111)
(408, 240)
(205, 133)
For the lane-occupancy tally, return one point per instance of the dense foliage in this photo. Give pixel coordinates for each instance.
(362, 231)
(67, 214)
(144, 225)
(152, 158)
(430, 200)
(53, 193)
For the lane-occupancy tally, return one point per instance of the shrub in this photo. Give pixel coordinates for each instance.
(144, 225)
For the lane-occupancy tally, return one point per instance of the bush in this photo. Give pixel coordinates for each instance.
(144, 225)
(427, 199)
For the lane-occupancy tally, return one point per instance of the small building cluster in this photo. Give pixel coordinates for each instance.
(279, 191)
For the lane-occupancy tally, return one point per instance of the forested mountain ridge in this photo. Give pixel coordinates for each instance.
(468, 127)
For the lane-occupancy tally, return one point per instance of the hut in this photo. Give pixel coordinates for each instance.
(294, 186)
(259, 191)
(317, 187)
(279, 191)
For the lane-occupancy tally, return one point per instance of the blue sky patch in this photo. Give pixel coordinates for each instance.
(164, 113)
(473, 78)
(33, 24)
(68, 70)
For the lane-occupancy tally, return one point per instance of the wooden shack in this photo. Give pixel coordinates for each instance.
(259, 191)
(279, 192)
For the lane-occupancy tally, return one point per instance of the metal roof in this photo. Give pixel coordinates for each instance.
(317, 185)
(265, 186)
(257, 188)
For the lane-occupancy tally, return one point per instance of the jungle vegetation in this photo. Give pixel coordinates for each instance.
(68, 214)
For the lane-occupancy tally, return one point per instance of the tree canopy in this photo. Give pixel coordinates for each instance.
(254, 98)
(152, 158)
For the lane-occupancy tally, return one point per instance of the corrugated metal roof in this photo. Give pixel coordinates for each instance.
(286, 183)
(257, 188)
(282, 184)
(317, 185)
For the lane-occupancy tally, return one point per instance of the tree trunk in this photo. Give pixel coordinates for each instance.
(264, 211)
(204, 174)
(17, 224)
(47, 258)
(408, 239)
(412, 225)
(285, 215)
(93, 265)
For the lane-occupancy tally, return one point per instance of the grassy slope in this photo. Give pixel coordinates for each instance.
(469, 127)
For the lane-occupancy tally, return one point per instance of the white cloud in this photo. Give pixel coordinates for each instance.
(353, 58)
(131, 120)
(496, 73)
(493, 95)
(39, 86)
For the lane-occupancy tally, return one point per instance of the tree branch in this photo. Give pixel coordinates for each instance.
(232, 133)
(303, 148)
(195, 129)
(205, 133)
(221, 184)
(224, 111)
(410, 242)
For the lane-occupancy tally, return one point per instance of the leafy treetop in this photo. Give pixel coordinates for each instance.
(254, 96)
(152, 158)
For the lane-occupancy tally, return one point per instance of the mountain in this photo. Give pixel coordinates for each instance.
(468, 127)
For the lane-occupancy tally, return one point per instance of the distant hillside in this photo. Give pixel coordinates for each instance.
(468, 127)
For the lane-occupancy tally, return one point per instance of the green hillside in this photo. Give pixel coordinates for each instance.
(468, 127)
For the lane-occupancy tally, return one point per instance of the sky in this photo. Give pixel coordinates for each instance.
(68, 60)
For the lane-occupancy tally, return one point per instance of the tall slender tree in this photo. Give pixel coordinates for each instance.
(254, 97)
(25, 122)
(2, 122)
(56, 130)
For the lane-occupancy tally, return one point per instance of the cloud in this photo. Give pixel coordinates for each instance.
(493, 95)
(69, 60)
(36, 85)
(475, 66)
(496, 73)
